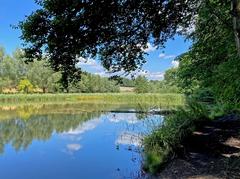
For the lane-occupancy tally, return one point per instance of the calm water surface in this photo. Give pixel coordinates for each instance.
(72, 144)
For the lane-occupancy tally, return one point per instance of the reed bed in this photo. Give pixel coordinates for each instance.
(153, 99)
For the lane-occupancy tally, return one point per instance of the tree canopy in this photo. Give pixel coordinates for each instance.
(114, 31)
(211, 66)
(117, 32)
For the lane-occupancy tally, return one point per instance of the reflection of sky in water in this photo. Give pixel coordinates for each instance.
(97, 148)
(130, 132)
(129, 138)
(86, 126)
(73, 147)
(130, 118)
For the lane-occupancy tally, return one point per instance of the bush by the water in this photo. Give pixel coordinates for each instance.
(166, 141)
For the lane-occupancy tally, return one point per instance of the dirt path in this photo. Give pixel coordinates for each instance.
(213, 151)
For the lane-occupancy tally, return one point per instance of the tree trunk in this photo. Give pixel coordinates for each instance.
(236, 23)
(44, 89)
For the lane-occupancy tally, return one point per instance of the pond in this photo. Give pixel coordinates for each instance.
(70, 142)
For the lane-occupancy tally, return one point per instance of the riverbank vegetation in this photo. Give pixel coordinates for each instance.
(209, 76)
(118, 34)
(37, 77)
(152, 100)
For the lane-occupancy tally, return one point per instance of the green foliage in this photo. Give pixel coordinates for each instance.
(212, 63)
(4, 83)
(124, 82)
(170, 76)
(25, 86)
(127, 82)
(162, 87)
(13, 69)
(44, 79)
(2, 53)
(9, 70)
(186, 79)
(53, 84)
(141, 84)
(115, 31)
(161, 101)
(208, 73)
(166, 141)
(42, 76)
(211, 66)
(95, 84)
(226, 87)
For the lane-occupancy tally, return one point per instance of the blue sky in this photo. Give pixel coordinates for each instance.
(158, 60)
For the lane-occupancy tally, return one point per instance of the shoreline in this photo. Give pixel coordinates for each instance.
(211, 152)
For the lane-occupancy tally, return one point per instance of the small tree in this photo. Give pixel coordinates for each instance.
(25, 86)
(141, 84)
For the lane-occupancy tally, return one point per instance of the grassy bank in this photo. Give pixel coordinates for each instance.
(211, 151)
(165, 142)
(155, 100)
(168, 140)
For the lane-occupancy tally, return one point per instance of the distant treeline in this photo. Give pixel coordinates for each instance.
(37, 76)
(16, 76)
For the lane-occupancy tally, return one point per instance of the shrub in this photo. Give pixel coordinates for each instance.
(25, 86)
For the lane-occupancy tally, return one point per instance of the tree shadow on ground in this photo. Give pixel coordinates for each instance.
(212, 151)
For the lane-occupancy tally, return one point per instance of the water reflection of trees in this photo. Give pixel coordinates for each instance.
(20, 133)
(19, 126)
(27, 111)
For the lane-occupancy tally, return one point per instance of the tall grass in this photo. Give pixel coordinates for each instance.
(26, 98)
(155, 100)
(166, 141)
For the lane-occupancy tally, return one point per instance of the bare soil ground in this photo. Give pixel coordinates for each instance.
(211, 152)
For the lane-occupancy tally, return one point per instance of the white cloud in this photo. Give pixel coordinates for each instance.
(156, 76)
(175, 63)
(69, 137)
(149, 48)
(151, 75)
(73, 147)
(129, 138)
(82, 128)
(90, 63)
(75, 135)
(130, 118)
(93, 66)
(165, 56)
(86, 62)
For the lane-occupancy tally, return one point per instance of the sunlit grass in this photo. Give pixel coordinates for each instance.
(152, 99)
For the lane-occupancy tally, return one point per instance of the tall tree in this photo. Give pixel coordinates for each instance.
(115, 31)
(39, 73)
(212, 64)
